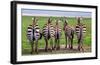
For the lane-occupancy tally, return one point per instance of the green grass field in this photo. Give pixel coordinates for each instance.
(26, 20)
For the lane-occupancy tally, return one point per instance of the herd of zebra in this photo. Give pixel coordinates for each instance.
(51, 32)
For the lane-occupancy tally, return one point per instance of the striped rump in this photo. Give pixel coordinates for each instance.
(57, 32)
(33, 32)
(48, 31)
(80, 28)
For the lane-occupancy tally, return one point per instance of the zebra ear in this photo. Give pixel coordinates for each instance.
(56, 21)
(32, 19)
(49, 20)
(65, 19)
(79, 19)
(36, 19)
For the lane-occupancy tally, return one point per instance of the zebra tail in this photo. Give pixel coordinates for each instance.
(40, 35)
(72, 34)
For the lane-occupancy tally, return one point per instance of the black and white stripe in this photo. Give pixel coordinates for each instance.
(80, 28)
(48, 31)
(33, 35)
(57, 35)
(30, 33)
(57, 31)
(80, 32)
(33, 32)
(69, 34)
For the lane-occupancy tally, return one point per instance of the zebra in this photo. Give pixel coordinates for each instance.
(80, 30)
(69, 34)
(57, 34)
(48, 33)
(34, 34)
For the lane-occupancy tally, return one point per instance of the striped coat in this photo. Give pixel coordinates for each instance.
(69, 35)
(48, 31)
(80, 30)
(30, 33)
(69, 31)
(33, 32)
(57, 31)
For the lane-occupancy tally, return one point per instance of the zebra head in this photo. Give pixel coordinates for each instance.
(58, 21)
(79, 19)
(49, 21)
(34, 21)
(65, 23)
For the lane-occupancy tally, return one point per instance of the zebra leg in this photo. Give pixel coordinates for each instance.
(32, 47)
(55, 46)
(69, 42)
(66, 41)
(72, 37)
(58, 44)
(79, 44)
(36, 46)
(46, 46)
(51, 43)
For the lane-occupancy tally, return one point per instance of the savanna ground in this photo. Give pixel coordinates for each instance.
(26, 47)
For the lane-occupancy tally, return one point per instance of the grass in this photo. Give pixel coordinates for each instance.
(26, 20)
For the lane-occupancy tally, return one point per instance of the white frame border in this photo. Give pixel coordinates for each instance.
(54, 56)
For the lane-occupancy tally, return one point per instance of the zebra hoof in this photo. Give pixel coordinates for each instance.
(58, 48)
(65, 47)
(46, 50)
(71, 47)
(31, 52)
(50, 50)
(53, 48)
(36, 52)
(78, 49)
